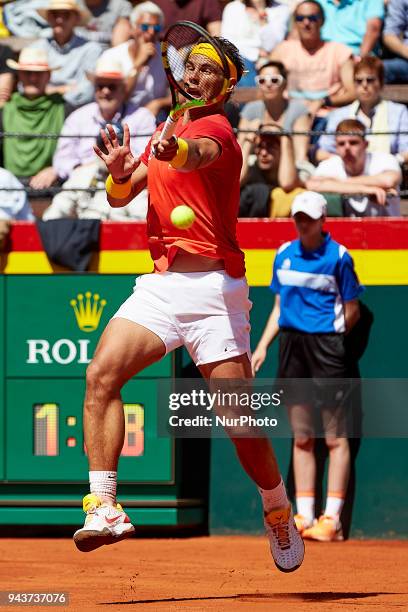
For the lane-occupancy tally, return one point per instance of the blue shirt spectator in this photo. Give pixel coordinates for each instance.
(313, 285)
(109, 22)
(355, 23)
(71, 54)
(22, 19)
(395, 37)
(397, 117)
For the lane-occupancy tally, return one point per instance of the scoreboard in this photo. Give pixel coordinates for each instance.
(51, 327)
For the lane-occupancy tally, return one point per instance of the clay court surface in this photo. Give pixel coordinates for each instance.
(214, 573)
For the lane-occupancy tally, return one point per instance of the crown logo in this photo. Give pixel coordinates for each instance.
(88, 310)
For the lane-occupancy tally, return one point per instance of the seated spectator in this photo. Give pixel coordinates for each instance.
(109, 22)
(269, 180)
(367, 181)
(206, 13)
(109, 107)
(255, 28)
(395, 37)
(320, 73)
(32, 111)
(92, 204)
(71, 53)
(355, 23)
(274, 107)
(14, 205)
(6, 74)
(140, 58)
(22, 19)
(376, 114)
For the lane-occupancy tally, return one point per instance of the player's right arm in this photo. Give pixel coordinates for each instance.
(198, 152)
(127, 173)
(269, 334)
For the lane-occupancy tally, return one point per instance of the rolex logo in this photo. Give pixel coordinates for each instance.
(88, 310)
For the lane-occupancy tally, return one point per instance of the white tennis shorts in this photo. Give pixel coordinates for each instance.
(207, 312)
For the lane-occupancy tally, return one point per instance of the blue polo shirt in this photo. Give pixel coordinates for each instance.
(313, 286)
(346, 22)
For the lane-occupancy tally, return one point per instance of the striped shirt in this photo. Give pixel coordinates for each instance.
(314, 285)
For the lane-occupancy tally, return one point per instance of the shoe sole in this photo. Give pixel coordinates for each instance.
(337, 538)
(286, 570)
(87, 541)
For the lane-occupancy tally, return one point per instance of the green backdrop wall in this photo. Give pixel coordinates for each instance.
(380, 507)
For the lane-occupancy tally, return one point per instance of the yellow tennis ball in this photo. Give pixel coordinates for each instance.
(182, 216)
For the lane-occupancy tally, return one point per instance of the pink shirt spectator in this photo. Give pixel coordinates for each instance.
(312, 76)
(87, 121)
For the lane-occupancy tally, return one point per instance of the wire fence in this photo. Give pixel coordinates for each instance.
(53, 190)
(56, 136)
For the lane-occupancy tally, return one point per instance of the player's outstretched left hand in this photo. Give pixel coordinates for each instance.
(119, 159)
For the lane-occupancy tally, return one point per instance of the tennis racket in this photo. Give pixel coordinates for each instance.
(183, 62)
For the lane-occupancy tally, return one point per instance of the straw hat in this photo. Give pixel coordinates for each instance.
(34, 60)
(107, 68)
(66, 5)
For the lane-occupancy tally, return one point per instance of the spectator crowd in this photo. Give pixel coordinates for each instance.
(310, 111)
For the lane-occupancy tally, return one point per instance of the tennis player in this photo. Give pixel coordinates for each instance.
(197, 296)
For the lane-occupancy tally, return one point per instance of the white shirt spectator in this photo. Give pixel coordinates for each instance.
(92, 205)
(87, 121)
(375, 163)
(14, 205)
(151, 82)
(250, 36)
(72, 61)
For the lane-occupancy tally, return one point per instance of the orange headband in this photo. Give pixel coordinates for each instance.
(209, 51)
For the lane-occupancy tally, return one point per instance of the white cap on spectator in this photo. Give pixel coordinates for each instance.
(32, 60)
(66, 5)
(146, 7)
(107, 68)
(311, 203)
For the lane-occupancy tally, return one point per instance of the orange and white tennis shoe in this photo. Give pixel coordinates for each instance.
(326, 529)
(285, 541)
(302, 523)
(104, 524)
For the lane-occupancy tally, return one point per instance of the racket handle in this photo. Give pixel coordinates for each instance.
(168, 129)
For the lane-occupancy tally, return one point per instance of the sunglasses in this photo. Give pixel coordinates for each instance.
(313, 18)
(268, 79)
(145, 27)
(110, 86)
(269, 147)
(368, 80)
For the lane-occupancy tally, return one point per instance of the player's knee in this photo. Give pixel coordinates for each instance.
(334, 442)
(101, 379)
(305, 443)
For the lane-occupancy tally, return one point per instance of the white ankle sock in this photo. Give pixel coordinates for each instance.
(104, 484)
(334, 506)
(274, 498)
(305, 506)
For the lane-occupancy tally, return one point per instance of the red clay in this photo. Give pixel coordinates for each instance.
(215, 573)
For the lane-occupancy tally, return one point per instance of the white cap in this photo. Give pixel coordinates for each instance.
(32, 60)
(311, 203)
(107, 68)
